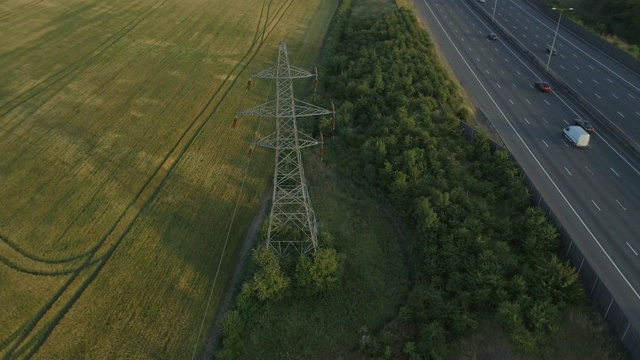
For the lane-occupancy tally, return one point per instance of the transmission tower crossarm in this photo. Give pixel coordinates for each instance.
(303, 141)
(272, 73)
(270, 109)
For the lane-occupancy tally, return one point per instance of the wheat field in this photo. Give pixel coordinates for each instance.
(121, 177)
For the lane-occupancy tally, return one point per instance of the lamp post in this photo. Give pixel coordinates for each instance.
(495, 4)
(553, 44)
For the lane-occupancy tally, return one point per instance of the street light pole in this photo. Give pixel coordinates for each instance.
(495, 4)
(553, 44)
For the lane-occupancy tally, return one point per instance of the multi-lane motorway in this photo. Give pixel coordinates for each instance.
(595, 192)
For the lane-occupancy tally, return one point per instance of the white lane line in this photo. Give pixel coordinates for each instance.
(623, 208)
(595, 81)
(579, 81)
(514, 85)
(632, 249)
(566, 169)
(614, 95)
(487, 71)
(498, 86)
(478, 59)
(614, 172)
(619, 113)
(591, 67)
(547, 102)
(545, 120)
(638, 113)
(573, 210)
(462, 39)
(511, 102)
(507, 60)
(609, 80)
(631, 96)
(562, 67)
(576, 66)
(545, 143)
(527, 100)
(598, 96)
(574, 55)
(518, 72)
(525, 119)
(589, 169)
(596, 205)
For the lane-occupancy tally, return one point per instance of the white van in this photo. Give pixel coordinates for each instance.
(577, 135)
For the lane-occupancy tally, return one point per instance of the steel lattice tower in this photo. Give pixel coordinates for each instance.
(292, 222)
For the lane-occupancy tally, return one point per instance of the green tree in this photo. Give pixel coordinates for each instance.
(319, 272)
(269, 281)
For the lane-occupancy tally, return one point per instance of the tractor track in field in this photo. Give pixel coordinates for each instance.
(17, 344)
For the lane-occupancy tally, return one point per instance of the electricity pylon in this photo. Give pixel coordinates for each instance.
(292, 222)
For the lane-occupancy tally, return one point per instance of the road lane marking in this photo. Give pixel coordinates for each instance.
(518, 72)
(547, 102)
(614, 95)
(498, 86)
(545, 143)
(638, 113)
(590, 67)
(594, 203)
(589, 169)
(511, 102)
(631, 96)
(623, 208)
(576, 66)
(487, 71)
(514, 85)
(614, 171)
(579, 81)
(537, 161)
(562, 67)
(619, 113)
(595, 81)
(525, 119)
(598, 96)
(527, 100)
(609, 80)
(567, 169)
(545, 120)
(632, 249)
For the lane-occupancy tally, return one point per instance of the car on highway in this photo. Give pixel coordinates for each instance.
(493, 36)
(543, 86)
(552, 51)
(585, 124)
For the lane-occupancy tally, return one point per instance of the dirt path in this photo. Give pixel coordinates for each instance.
(214, 336)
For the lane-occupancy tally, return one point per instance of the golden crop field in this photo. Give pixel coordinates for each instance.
(121, 179)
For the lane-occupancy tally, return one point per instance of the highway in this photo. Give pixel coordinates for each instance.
(594, 191)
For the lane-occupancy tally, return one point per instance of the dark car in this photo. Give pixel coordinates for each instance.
(543, 86)
(493, 36)
(585, 124)
(551, 51)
